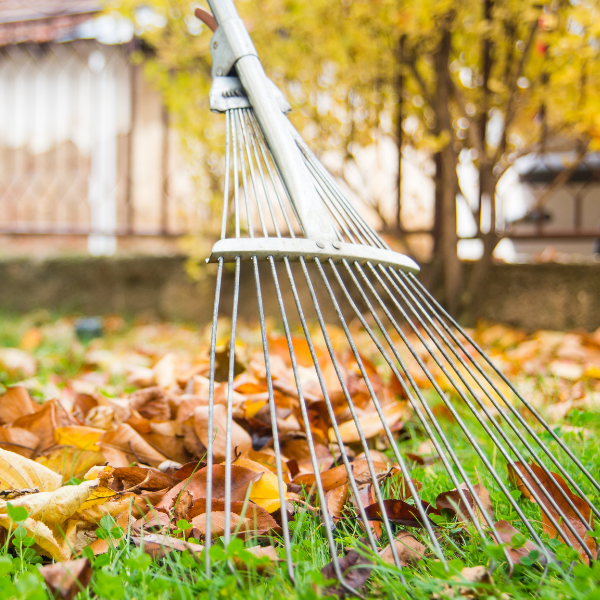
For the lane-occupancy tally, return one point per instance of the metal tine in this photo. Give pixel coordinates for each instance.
(332, 186)
(237, 113)
(439, 311)
(428, 410)
(448, 404)
(363, 440)
(495, 403)
(236, 295)
(213, 344)
(500, 430)
(276, 182)
(339, 215)
(274, 428)
(236, 182)
(359, 225)
(503, 435)
(388, 359)
(253, 178)
(226, 183)
(268, 199)
(309, 437)
(323, 386)
(211, 402)
(335, 214)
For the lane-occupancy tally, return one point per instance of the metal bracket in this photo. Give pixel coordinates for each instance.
(293, 249)
(227, 93)
(229, 43)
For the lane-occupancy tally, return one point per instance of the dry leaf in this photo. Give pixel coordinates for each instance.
(399, 512)
(20, 441)
(355, 569)
(16, 402)
(370, 424)
(240, 439)
(408, 548)
(42, 423)
(158, 546)
(506, 532)
(17, 472)
(551, 486)
(67, 579)
(83, 438)
(70, 462)
(131, 443)
(452, 502)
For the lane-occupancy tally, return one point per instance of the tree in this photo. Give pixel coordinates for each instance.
(495, 78)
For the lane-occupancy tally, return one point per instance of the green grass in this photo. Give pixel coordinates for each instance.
(127, 573)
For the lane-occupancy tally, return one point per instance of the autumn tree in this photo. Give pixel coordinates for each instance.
(495, 78)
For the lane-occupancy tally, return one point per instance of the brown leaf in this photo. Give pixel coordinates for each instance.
(266, 552)
(452, 502)
(16, 402)
(42, 423)
(196, 485)
(336, 501)
(183, 504)
(367, 497)
(355, 569)
(189, 469)
(125, 478)
(151, 403)
(506, 532)
(67, 579)
(398, 512)
(552, 487)
(409, 550)
(154, 521)
(20, 441)
(257, 515)
(169, 445)
(130, 442)
(158, 546)
(240, 439)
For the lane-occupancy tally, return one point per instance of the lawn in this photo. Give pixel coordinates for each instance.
(90, 380)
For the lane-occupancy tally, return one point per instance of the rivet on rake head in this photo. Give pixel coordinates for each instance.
(337, 245)
(321, 245)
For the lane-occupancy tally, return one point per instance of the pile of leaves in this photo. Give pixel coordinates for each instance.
(104, 444)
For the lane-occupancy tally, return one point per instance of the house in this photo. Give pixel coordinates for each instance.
(89, 161)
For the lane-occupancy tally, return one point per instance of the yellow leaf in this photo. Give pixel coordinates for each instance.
(18, 472)
(58, 506)
(71, 462)
(84, 438)
(42, 535)
(265, 491)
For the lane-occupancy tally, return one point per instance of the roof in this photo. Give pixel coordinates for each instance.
(42, 20)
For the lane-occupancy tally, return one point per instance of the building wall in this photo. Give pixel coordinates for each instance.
(546, 296)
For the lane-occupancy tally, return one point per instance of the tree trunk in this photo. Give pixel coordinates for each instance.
(399, 131)
(446, 179)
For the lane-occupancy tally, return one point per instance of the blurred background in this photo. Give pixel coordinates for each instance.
(467, 133)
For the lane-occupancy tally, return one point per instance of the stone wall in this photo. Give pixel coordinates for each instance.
(546, 296)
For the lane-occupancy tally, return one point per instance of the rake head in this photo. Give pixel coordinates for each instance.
(324, 264)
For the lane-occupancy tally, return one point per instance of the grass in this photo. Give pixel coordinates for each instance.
(127, 573)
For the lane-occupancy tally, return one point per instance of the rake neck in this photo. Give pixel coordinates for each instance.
(312, 214)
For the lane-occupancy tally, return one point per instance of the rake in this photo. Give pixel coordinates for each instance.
(283, 208)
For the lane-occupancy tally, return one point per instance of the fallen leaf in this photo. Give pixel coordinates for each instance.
(151, 403)
(18, 472)
(355, 569)
(552, 487)
(20, 441)
(125, 478)
(452, 502)
(398, 512)
(158, 546)
(42, 423)
(84, 438)
(408, 548)
(336, 501)
(196, 485)
(70, 462)
(240, 439)
(370, 424)
(131, 443)
(67, 579)
(267, 555)
(16, 402)
(506, 532)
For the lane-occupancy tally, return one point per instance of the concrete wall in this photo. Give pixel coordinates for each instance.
(546, 296)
